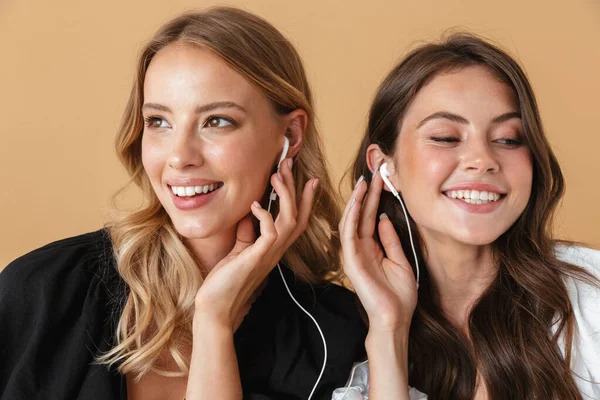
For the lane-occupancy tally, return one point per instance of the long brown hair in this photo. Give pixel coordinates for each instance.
(515, 325)
(160, 272)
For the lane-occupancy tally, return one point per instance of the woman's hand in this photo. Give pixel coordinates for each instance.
(385, 283)
(224, 294)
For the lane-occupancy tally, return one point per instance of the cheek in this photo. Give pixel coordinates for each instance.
(248, 162)
(152, 157)
(519, 172)
(427, 170)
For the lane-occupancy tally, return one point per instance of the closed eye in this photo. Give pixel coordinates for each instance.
(509, 142)
(445, 139)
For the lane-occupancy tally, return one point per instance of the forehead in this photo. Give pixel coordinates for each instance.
(470, 92)
(184, 73)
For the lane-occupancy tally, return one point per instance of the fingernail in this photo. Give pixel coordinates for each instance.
(315, 184)
(359, 181)
(256, 204)
(278, 176)
(383, 216)
(352, 202)
(290, 163)
(375, 171)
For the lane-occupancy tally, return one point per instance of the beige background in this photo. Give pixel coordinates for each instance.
(66, 69)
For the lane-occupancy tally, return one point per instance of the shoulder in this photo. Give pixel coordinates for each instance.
(62, 260)
(584, 291)
(60, 271)
(584, 257)
(584, 295)
(55, 306)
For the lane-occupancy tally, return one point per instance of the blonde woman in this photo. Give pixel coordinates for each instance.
(180, 299)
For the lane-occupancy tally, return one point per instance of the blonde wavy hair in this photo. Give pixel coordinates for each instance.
(159, 270)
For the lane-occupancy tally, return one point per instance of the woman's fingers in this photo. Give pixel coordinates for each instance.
(368, 215)
(350, 223)
(268, 233)
(349, 204)
(304, 210)
(245, 236)
(286, 219)
(391, 242)
(287, 175)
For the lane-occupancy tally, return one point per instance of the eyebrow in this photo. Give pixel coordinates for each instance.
(462, 120)
(201, 109)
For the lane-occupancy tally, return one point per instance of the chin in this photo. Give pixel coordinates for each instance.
(478, 237)
(193, 230)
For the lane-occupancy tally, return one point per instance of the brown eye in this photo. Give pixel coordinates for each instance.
(218, 122)
(213, 122)
(156, 122)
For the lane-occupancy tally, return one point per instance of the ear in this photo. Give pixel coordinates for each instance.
(375, 158)
(296, 123)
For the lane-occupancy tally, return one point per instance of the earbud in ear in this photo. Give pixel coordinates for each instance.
(286, 147)
(385, 176)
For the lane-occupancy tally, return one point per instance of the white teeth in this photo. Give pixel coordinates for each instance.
(188, 191)
(474, 196)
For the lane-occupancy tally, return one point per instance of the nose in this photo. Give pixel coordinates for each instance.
(185, 150)
(479, 158)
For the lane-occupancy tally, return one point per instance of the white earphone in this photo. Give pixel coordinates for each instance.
(286, 147)
(273, 197)
(385, 174)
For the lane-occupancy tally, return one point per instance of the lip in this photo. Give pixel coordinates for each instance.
(192, 203)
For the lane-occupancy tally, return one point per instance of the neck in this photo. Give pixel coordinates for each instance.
(208, 252)
(459, 274)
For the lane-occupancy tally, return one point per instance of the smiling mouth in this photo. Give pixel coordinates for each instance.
(475, 196)
(193, 191)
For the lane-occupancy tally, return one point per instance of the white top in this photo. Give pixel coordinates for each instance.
(585, 361)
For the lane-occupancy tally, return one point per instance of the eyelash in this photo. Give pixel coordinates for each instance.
(220, 117)
(444, 139)
(510, 142)
(506, 142)
(151, 119)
